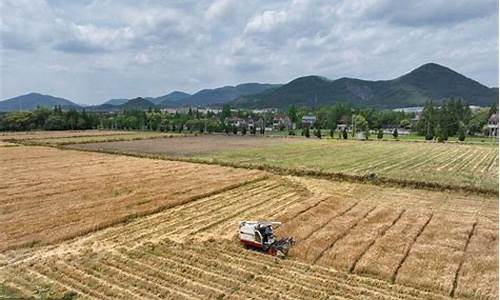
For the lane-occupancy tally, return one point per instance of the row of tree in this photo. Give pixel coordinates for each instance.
(330, 116)
(452, 118)
(47, 119)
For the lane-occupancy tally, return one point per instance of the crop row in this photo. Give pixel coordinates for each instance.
(197, 271)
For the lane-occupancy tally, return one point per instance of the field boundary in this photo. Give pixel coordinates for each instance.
(373, 178)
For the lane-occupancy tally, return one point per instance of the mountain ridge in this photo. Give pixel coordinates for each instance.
(33, 100)
(429, 81)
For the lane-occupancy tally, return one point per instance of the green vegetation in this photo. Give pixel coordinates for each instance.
(460, 166)
(429, 81)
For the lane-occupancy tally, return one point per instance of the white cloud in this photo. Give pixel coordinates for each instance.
(219, 8)
(266, 21)
(94, 50)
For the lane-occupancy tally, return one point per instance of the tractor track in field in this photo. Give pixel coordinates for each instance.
(457, 273)
(380, 234)
(345, 233)
(407, 252)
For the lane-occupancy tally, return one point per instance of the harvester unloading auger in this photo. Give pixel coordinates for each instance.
(259, 235)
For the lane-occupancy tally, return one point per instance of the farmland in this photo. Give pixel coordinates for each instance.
(445, 165)
(105, 226)
(62, 194)
(26, 135)
(56, 138)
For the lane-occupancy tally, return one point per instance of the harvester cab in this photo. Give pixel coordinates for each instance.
(260, 235)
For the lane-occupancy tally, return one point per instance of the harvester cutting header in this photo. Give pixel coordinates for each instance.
(260, 235)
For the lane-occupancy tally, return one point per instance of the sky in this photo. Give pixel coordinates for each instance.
(92, 51)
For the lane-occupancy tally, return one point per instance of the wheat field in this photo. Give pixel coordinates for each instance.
(105, 226)
(110, 226)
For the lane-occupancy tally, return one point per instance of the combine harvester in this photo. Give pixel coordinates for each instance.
(259, 235)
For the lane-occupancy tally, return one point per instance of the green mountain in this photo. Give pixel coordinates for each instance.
(171, 99)
(116, 101)
(137, 103)
(429, 81)
(162, 100)
(132, 104)
(221, 95)
(32, 100)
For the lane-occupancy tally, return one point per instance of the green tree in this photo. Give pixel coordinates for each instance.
(306, 132)
(55, 122)
(405, 123)
(226, 112)
(16, 121)
(461, 132)
(344, 133)
(292, 114)
(360, 124)
(427, 120)
(367, 134)
(441, 134)
(253, 130)
(380, 134)
(493, 110)
(317, 133)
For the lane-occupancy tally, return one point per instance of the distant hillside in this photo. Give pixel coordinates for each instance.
(137, 103)
(429, 81)
(132, 104)
(162, 100)
(221, 95)
(116, 101)
(32, 100)
(171, 99)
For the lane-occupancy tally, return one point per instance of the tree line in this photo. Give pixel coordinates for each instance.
(452, 118)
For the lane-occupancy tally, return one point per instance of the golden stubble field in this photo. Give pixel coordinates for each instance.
(108, 226)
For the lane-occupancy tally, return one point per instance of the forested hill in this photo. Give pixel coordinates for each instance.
(33, 100)
(429, 81)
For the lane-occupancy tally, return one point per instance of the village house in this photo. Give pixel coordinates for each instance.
(235, 122)
(308, 121)
(259, 124)
(281, 122)
(493, 125)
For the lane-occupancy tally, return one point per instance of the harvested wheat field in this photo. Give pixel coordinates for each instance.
(27, 135)
(129, 136)
(124, 227)
(49, 195)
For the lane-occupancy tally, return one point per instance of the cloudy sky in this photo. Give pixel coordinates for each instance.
(91, 51)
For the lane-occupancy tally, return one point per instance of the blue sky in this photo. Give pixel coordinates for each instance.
(91, 51)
